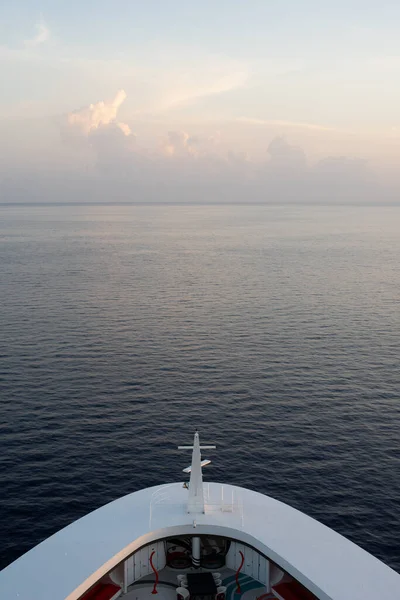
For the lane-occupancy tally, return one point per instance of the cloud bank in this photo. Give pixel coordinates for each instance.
(100, 159)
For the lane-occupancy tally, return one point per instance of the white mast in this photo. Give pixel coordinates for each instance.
(196, 494)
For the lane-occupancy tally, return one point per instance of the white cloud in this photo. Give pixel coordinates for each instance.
(286, 124)
(126, 130)
(186, 161)
(97, 130)
(88, 119)
(179, 143)
(338, 172)
(190, 91)
(163, 89)
(106, 162)
(42, 35)
(286, 158)
(115, 149)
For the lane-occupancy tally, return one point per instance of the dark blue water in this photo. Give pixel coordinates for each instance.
(274, 330)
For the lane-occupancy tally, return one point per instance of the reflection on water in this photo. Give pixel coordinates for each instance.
(274, 330)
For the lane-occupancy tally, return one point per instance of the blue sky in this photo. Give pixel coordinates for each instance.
(299, 59)
(324, 75)
(241, 29)
(235, 25)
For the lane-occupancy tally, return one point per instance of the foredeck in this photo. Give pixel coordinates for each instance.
(250, 589)
(74, 559)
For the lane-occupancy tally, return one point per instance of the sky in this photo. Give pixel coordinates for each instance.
(256, 100)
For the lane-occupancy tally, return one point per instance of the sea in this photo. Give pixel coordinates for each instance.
(273, 329)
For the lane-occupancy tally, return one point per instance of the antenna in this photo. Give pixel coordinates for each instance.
(196, 494)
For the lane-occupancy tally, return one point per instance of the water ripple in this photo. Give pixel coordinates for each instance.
(275, 330)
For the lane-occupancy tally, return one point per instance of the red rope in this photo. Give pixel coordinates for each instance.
(238, 571)
(155, 572)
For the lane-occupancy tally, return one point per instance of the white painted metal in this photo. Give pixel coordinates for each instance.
(117, 575)
(65, 565)
(125, 586)
(276, 575)
(263, 571)
(196, 493)
(204, 463)
(138, 565)
(196, 552)
(254, 565)
(221, 589)
(183, 592)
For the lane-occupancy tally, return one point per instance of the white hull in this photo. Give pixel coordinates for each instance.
(118, 539)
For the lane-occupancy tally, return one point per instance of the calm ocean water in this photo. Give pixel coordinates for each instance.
(274, 330)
